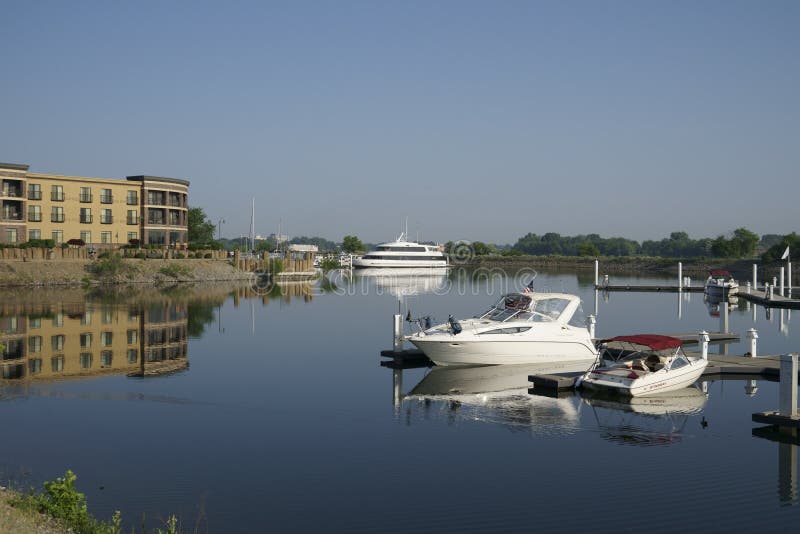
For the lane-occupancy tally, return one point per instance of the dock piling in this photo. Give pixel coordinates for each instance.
(680, 276)
(596, 272)
(397, 338)
(755, 276)
(752, 335)
(788, 387)
(782, 287)
(590, 322)
(703, 339)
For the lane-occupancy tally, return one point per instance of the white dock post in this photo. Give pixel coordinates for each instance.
(755, 276)
(748, 288)
(680, 276)
(397, 387)
(752, 335)
(703, 339)
(596, 272)
(751, 388)
(688, 281)
(782, 293)
(590, 322)
(397, 338)
(788, 388)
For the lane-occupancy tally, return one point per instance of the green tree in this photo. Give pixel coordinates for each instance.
(352, 244)
(201, 229)
(588, 249)
(775, 252)
(744, 242)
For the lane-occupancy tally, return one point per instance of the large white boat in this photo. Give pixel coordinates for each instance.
(401, 253)
(643, 365)
(526, 327)
(720, 284)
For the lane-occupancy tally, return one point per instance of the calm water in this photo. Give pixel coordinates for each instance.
(241, 411)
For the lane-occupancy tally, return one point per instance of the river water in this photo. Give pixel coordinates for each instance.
(251, 409)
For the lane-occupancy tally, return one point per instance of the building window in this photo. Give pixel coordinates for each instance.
(57, 343)
(86, 360)
(86, 194)
(86, 340)
(57, 193)
(34, 214)
(108, 316)
(106, 197)
(58, 319)
(57, 236)
(35, 344)
(156, 237)
(35, 366)
(35, 322)
(86, 236)
(86, 215)
(86, 318)
(156, 198)
(34, 192)
(133, 355)
(133, 337)
(106, 357)
(132, 236)
(133, 198)
(11, 235)
(133, 217)
(57, 364)
(57, 214)
(106, 217)
(34, 234)
(106, 338)
(105, 238)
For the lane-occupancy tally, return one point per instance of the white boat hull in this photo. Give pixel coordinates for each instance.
(648, 384)
(453, 351)
(394, 264)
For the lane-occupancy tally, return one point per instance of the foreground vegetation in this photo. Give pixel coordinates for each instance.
(62, 508)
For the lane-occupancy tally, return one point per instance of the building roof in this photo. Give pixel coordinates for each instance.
(14, 166)
(146, 178)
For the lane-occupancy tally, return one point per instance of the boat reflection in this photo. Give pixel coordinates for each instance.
(652, 420)
(406, 282)
(494, 394)
(716, 305)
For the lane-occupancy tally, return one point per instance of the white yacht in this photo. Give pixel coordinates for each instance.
(402, 253)
(526, 327)
(720, 284)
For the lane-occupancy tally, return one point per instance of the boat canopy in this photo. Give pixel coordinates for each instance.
(719, 272)
(654, 341)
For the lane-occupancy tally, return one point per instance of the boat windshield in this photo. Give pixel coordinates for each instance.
(524, 308)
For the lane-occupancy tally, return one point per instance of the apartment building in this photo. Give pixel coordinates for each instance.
(103, 213)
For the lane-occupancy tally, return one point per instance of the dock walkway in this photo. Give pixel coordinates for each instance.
(777, 301)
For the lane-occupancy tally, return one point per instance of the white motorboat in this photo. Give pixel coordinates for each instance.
(643, 365)
(401, 253)
(526, 327)
(720, 284)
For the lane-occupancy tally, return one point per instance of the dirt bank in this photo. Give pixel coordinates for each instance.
(129, 271)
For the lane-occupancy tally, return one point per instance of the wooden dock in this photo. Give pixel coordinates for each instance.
(650, 288)
(777, 301)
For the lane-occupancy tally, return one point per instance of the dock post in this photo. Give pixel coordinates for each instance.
(680, 276)
(788, 388)
(688, 281)
(752, 335)
(755, 276)
(782, 272)
(596, 272)
(397, 338)
(590, 322)
(703, 339)
(748, 288)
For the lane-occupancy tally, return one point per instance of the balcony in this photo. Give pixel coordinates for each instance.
(57, 196)
(107, 219)
(132, 220)
(106, 199)
(86, 219)
(34, 216)
(12, 215)
(34, 194)
(57, 217)
(155, 220)
(85, 197)
(11, 190)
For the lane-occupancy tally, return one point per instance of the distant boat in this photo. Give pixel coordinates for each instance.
(401, 253)
(720, 284)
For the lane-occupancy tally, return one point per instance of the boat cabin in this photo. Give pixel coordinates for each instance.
(534, 307)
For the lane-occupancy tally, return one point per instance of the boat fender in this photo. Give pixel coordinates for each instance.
(454, 326)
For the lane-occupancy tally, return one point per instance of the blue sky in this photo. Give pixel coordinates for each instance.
(476, 120)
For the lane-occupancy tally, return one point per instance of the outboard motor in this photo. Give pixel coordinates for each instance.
(454, 325)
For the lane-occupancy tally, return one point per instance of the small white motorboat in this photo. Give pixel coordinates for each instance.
(720, 284)
(525, 327)
(643, 365)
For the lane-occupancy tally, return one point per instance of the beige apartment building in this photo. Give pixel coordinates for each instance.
(103, 213)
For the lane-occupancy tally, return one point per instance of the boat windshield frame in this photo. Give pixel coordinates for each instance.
(526, 307)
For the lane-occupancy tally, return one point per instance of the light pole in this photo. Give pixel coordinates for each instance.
(219, 228)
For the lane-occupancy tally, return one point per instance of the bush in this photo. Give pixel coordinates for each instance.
(179, 256)
(329, 263)
(140, 255)
(109, 266)
(176, 270)
(190, 255)
(208, 255)
(38, 243)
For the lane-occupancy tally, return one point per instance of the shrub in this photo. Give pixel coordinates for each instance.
(208, 255)
(107, 267)
(140, 255)
(38, 243)
(179, 256)
(329, 263)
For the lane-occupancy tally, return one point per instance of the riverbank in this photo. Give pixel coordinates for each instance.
(14, 520)
(78, 273)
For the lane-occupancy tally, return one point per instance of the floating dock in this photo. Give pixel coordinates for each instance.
(650, 288)
(775, 301)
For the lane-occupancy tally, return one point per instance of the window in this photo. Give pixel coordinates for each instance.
(86, 194)
(11, 235)
(133, 217)
(86, 318)
(34, 234)
(106, 357)
(106, 217)
(157, 198)
(133, 355)
(34, 192)
(132, 235)
(86, 215)
(133, 198)
(57, 193)
(57, 342)
(35, 344)
(86, 340)
(108, 316)
(35, 322)
(34, 214)
(106, 197)
(58, 319)
(106, 338)
(35, 366)
(105, 237)
(86, 236)
(57, 236)
(86, 360)
(57, 364)
(133, 336)
(57, 214)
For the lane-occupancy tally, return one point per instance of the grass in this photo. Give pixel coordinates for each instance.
(176, 270)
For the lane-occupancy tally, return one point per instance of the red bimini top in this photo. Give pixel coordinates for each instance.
(654, 341)
(719, 272)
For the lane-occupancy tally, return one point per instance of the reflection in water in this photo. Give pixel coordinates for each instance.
(651, 420)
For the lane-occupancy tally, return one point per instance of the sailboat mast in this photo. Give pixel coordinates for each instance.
(253, 226)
